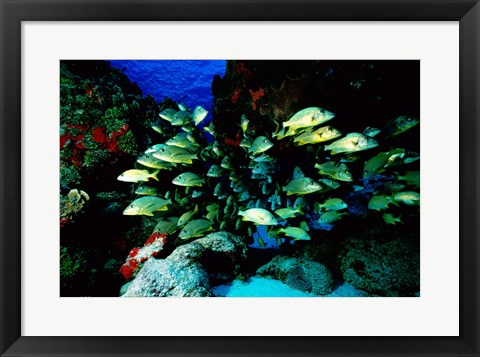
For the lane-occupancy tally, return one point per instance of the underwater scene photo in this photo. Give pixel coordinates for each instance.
(240, 178)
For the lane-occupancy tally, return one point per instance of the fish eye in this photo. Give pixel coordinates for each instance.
(322, 111)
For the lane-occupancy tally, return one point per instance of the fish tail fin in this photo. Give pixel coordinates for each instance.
(393, 199)
(277, 124)
(155, 175)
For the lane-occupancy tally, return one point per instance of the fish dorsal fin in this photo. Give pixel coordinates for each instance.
(297, 172)
(280, 132)
(304, 226)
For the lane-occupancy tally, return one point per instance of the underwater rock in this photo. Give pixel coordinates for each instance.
(191, 269)
(297, 279)
(300, 274)
(124, 288)
(324, 252)
(225, 252)
(166, 277)
(389, 268)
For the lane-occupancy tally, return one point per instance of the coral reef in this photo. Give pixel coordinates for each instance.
(71, 264)
(386, 267)
(104, 122)
(301, 274)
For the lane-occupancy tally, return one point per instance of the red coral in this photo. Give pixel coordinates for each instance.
(256, 96)
(77, 140)
(129, 268)
(133, 252)
(154, 237)
(63, 140)
(98, 135)
(76, 158)
(138, 256)
(235, 96)
(79, 145)
(156, 254)
(108, 142)
(112, 142)
(127, 271)
(133, 263)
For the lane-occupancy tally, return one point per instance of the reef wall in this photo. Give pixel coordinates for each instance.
(104, 124)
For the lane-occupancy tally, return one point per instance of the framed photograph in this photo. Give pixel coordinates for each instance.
(250, 178)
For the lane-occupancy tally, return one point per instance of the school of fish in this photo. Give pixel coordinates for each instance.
(194, 183)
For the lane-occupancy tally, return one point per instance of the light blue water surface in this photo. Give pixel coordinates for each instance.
(264, 287)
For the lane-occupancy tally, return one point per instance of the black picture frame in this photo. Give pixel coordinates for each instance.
(13, 12)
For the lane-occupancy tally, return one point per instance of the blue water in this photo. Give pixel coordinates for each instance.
(262, 234)
(184, 81)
